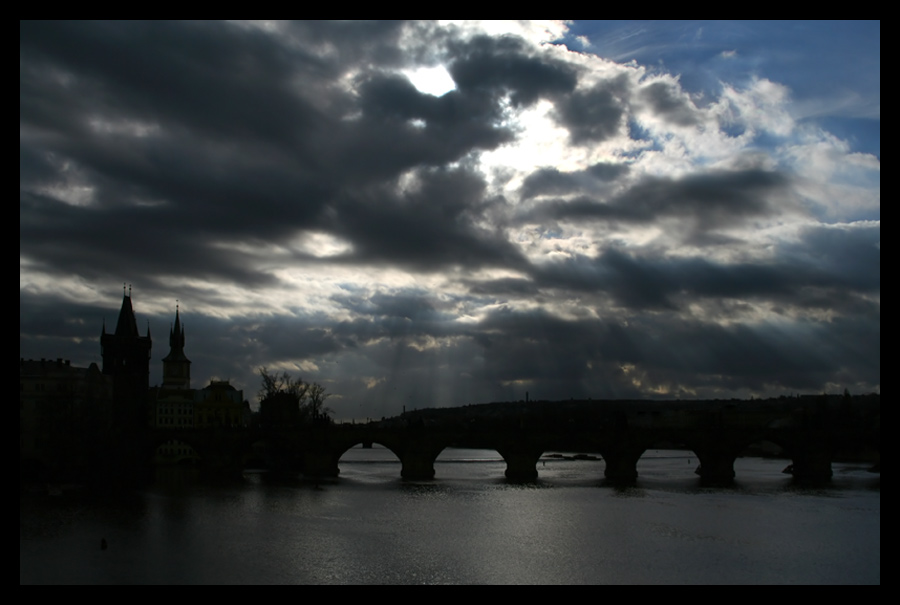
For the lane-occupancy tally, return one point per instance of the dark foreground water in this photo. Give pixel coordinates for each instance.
(467, 526)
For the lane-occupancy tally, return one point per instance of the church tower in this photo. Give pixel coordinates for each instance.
(176, 365)
(126, 357)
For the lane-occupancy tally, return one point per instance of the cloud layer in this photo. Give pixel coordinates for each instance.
(556, 223)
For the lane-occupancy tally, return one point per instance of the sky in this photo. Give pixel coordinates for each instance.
(429, 214)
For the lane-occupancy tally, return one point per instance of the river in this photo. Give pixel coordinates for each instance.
(468, 525)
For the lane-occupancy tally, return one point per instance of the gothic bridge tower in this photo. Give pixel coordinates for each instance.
(126, 357)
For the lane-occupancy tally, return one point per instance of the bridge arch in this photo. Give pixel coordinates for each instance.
(713, 451)
(416, 455)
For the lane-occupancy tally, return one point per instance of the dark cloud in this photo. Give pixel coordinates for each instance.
(35, 167)
(68, 240)
(849, 254)
(550, 181)
(401, 128)
(204, 76)
(511, 286)
(669, 102)
(707, 201)
(605, 171)
(454, 123)
(406, 314)
(346, 44)
(509, 64)
(412, 307)
(595, 115)
(635, 281)
(511, 352)
(428, 227)
(189, 131)
(605, 357)
(245, 143)
(713, 198)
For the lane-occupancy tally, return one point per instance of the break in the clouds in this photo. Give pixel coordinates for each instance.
(424, 213)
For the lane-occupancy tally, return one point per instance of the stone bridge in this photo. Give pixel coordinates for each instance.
(717, 434)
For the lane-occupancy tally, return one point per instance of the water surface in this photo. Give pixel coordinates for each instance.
(469, 525)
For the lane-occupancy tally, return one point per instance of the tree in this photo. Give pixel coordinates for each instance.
(280, 398)
(285, 401)
(316, 397)
(273, 384)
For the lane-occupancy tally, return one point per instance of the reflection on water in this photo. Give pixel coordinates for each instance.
(469, 525)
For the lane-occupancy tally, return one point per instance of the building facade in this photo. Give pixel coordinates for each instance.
(219, 404)
(173, 405)
(62, 409)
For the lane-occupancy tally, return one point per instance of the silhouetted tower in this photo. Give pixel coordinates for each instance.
(176, 366)
(126, 357)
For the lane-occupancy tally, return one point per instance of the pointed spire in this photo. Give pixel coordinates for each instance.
(176, 365)
(127, 324)
(178, 323)
(176, 337)
(176, 332)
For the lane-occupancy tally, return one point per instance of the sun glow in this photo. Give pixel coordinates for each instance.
(431, 80)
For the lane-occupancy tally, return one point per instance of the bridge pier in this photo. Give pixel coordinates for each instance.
(621, 464)
(417, 453)
(811, 465)
(320, 464)
(417, 466)
(812, 470)
(521, 462)
(811, 456)
(716, 467)
(717, 446)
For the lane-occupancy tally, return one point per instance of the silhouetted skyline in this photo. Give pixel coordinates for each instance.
(429, 214)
